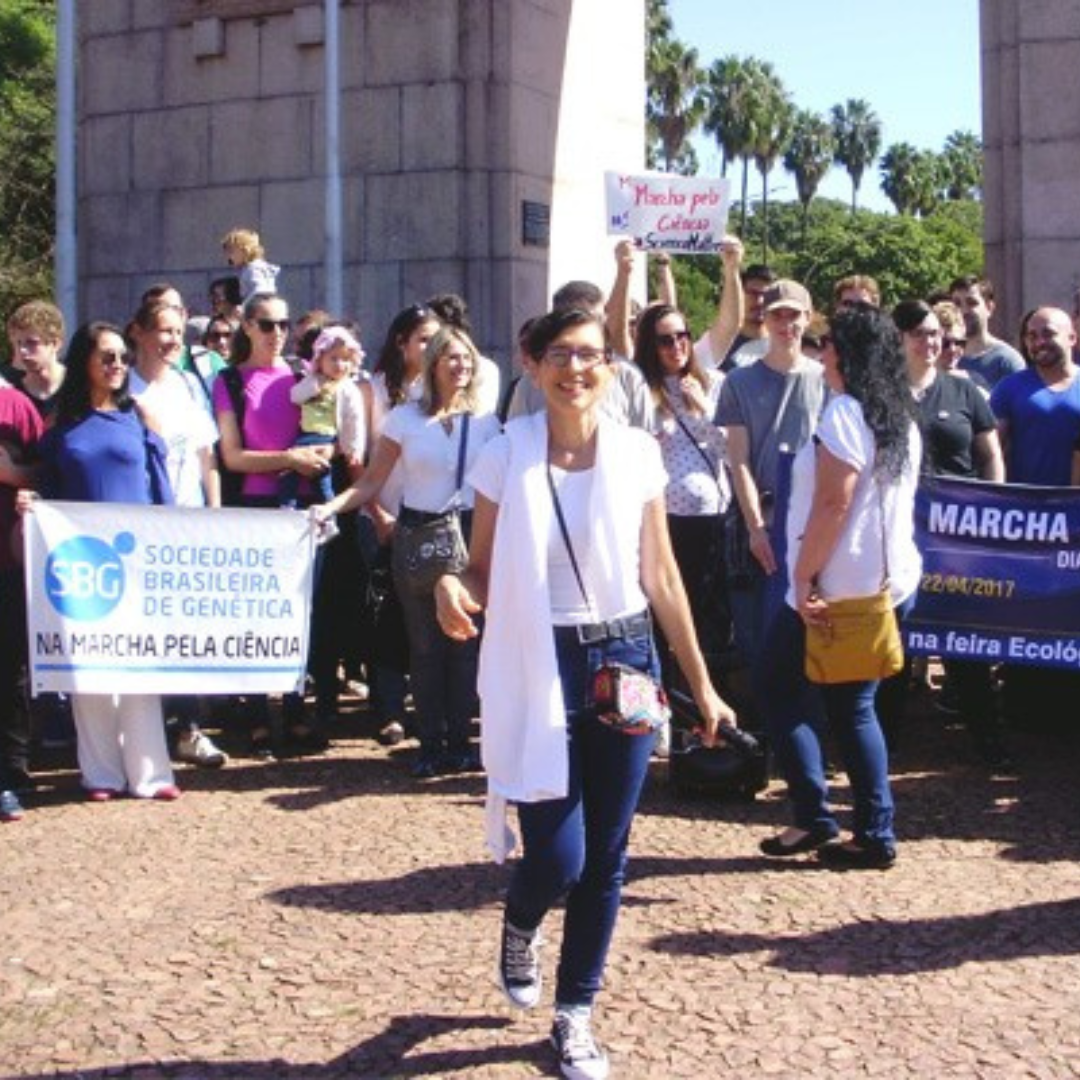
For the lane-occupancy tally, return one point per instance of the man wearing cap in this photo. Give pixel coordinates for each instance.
(770, 408)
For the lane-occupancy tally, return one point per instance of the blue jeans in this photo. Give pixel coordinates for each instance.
(793, 708)
(576, 846)
(289, 481)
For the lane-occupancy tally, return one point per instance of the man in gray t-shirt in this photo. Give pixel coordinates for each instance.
(768, 407)
(985, 355)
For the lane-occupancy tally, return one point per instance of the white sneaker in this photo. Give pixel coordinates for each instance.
(519, 966)
(197, 748)
(580, 1055)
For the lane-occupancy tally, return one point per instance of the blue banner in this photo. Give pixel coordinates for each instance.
(1001, 573)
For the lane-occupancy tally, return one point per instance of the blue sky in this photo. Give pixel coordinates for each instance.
(916, 63)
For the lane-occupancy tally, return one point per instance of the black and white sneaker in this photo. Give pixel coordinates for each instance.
(519, 965)
(580, 1055)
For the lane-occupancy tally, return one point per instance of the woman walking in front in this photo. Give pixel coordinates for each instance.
(569, 550)
(850, 524)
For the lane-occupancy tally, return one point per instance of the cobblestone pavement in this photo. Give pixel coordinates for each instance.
(329, 917)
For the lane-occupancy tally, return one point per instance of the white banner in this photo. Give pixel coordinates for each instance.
(160, 599)
(665, 212)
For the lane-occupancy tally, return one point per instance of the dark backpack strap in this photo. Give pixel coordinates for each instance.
(234, 384)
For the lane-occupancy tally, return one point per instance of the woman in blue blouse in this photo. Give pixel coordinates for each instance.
(101, 449)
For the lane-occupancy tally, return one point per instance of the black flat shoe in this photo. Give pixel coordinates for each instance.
(853, 856)
(814, 840)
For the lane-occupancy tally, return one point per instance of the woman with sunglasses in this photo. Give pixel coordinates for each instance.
(102, 449)
(218, 336)
(685, 397)
(569, 551)
(259, 447)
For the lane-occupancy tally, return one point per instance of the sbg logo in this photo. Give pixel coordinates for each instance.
(84, 576)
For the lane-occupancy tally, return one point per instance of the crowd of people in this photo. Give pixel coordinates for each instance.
(640, 495)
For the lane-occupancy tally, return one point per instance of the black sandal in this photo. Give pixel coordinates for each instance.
(811, 840)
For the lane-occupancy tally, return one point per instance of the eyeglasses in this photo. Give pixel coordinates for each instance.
(669, 341)
(560, 357)
(953, 342)
(268, 326)
(219, 335)
(113, 359)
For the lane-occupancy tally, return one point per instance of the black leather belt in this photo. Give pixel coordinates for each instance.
(612, 629)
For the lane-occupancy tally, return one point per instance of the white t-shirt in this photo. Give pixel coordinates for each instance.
(390, 496)
(612, 596)
(429, 455)
(179, 406)
(855, 566)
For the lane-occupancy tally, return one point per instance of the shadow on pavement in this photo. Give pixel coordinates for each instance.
(892, 947)
(383, 1056)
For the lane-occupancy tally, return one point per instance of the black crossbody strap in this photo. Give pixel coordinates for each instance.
(709, 464)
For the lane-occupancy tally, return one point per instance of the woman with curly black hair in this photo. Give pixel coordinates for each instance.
(850, 525)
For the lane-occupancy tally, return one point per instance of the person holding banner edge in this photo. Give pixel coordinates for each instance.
(103, 449)
(850, 526)
(259, 445)
(959, 439)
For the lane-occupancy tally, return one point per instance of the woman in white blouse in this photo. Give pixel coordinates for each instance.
(426, 438)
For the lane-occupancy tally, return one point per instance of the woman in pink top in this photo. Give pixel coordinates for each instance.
(259, 445)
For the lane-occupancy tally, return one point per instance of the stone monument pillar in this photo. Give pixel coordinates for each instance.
(1031, 131)
(474, 135)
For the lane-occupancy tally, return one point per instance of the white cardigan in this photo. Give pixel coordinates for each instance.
(523, 718)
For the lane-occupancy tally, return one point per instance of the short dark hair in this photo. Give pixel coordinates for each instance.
(973, 281)
(451, 310)
(757, 272)
(579, 295)
(548, 327)
(909, 314)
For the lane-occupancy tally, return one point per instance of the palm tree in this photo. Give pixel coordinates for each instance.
(741, 95)
(962, 163)
(772, 132)
(809, 157)
(728, 92)
(675, 104)
(912, 179)
(898, 166)
(857, 132)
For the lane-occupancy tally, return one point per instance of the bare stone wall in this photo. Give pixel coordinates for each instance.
(1031, 129)
(197, 116)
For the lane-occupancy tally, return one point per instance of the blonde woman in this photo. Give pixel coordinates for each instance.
(427, 437)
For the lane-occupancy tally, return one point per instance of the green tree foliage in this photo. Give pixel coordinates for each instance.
(27, 123)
